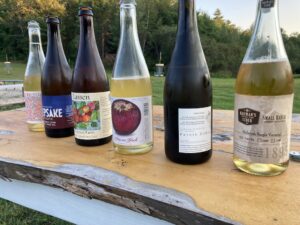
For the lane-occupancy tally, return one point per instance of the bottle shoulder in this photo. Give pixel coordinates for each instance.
(270, 78)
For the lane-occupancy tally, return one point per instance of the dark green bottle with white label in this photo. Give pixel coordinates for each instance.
(188, 95)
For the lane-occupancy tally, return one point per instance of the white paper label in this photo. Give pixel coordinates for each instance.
(262, 128)
(92, 115)
(33, 105)
(194, 130)
(132, 121)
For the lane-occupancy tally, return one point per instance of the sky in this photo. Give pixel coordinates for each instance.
(242, 12)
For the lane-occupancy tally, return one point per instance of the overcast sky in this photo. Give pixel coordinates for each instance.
(242, 12)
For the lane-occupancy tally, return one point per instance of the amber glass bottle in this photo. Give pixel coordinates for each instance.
(90, 89)
(56, 86)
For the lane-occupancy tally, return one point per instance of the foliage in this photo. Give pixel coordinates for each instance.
(224, 44)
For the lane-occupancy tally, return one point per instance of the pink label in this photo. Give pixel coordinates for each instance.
(33, 105)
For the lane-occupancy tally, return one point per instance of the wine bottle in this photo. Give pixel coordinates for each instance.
(90, 89)
(32, 80)
(264, 99)
(131, 89)
(188, 94)
(56, 86)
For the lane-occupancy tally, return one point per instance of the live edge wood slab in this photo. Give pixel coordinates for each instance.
(211, 193)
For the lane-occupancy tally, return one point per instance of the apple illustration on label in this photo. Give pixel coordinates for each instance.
(126, 117)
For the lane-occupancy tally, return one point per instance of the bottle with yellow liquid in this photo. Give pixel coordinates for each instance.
(131, 92)
(32, 80)
(264, 99)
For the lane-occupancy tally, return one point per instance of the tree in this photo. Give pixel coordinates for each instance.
(223, 43)
(218, 18)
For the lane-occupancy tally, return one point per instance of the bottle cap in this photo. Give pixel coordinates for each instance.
(295, 156)
(52, 19)
(266, 4)
(127, 2)
(33, 24)
(85, 10)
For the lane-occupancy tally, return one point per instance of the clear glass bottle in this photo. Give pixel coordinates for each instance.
(264, 99)
(131, 92)
(32, 79)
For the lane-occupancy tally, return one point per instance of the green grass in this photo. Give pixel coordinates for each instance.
(12, 214)
(158, 88)
(223, 88)
(223, 93)
(17, 72)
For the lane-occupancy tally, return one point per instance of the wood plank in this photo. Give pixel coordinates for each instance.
(70, 207)
(203, 193)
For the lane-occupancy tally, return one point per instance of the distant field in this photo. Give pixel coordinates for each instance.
(223, 93)
(17, 72)
(223, 88)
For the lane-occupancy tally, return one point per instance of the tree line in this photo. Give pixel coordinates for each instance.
(224, 44)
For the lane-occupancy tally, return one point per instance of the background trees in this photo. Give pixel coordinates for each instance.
(224, 44)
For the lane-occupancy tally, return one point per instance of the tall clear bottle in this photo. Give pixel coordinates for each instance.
(32, 80)
(188, 94)
(131, 92)
(264, 99)
(90, 88)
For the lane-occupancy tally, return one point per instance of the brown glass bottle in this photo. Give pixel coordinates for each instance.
(90, 89)
(188, 95)
(56, 86)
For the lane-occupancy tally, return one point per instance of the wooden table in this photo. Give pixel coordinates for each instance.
(211, 193)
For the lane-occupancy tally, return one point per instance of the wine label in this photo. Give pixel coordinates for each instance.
(194, 130)
(262, 128)
(57, 111)
(92, 115)
(267, 4)
(33, 106)
(132, 121)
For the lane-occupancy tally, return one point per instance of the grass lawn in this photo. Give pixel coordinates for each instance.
(17, 72)
(223, 92)
(13, 214)
(223, 88)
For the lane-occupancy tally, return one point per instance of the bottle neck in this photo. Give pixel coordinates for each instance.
(187, 22)
(129, 31)
(130, 61)
(266, 43)
(35, 44)
(54, 39)
(188, 42)
(36, 55)
(87, 34)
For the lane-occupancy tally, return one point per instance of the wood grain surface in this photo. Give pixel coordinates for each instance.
(151, 184)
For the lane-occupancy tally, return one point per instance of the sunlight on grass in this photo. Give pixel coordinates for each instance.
(223, 88)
